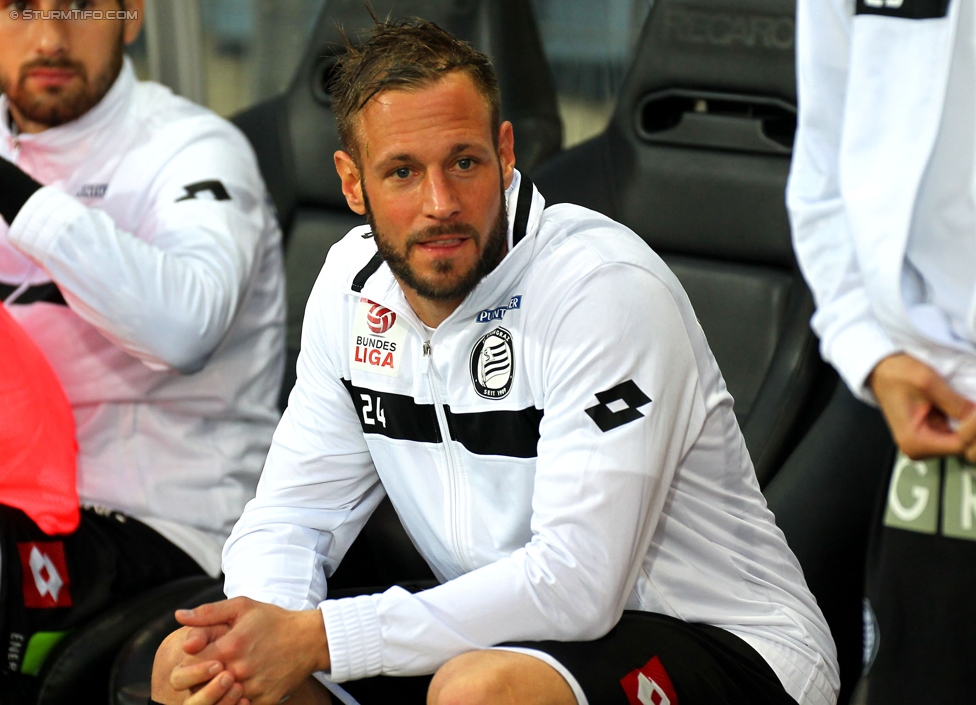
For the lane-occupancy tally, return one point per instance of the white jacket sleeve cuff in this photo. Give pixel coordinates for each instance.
(855, 352)
(45, 215)
(352, 627)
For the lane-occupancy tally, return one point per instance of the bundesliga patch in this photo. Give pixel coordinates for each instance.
(906, 9)
(377, 339)
(46, 581)
(649, 685)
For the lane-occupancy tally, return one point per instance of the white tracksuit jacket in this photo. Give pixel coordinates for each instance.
(871, 176)
(154, 226)
(561, 448)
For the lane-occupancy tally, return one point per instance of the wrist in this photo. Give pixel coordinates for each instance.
(314, 640)
(879, 371)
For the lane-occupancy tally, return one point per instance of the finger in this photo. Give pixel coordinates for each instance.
(930, 438)
(223, 612)
(966, 430)
(197, 638)
(927, 443)
(222, 690)
(970, 455)
(945, 397)
(928, 433)
(189, 676)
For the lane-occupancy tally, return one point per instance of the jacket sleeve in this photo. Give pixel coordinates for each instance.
(599, 490)
(318, 486)
(168, 292)
(852, 339)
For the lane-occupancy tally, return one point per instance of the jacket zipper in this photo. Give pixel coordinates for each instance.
(453, 481)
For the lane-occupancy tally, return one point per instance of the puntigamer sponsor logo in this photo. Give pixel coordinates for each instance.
(92, 191)
(497, 314)
(726, 29)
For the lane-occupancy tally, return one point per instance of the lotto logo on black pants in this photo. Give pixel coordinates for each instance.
(45, 571)
(649, 685)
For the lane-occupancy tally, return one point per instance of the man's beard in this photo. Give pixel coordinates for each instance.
(54, 106)
(492, 250)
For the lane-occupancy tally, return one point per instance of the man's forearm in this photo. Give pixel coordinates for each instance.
(168, 302)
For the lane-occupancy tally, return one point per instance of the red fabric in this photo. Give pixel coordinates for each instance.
(46, 580)
(38, 450)
(649, 685)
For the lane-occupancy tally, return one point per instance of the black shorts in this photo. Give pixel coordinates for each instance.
(51, 584)
(646, 658)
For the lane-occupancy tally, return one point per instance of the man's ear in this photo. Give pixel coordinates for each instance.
(135, 14)
(352, 185)
(506, 152)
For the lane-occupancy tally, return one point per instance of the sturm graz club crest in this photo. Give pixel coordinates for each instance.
(493, 364)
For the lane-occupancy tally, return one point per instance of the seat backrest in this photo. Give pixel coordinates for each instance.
(294, 134)
(824, 498)
(79, 667)
(695, 161)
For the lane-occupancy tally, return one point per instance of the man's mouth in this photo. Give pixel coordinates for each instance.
(51, 77)
(444, 242)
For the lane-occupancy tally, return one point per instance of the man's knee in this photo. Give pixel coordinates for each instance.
(168, 656)
(495, 676)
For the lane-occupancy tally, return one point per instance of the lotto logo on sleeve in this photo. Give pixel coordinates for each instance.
(649, 685)
(46, 580)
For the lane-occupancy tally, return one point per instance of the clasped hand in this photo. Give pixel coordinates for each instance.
(926, 416)
(245, 651)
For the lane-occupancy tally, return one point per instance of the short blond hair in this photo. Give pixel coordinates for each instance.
(403, 55)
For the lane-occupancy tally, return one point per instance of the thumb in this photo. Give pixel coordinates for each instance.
(223, 612)
(952, 404)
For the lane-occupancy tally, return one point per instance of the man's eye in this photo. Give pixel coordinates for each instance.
(402, 173)
(465, 163)
(80, 4)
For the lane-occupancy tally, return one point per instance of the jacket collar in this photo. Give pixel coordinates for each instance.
(68, 146)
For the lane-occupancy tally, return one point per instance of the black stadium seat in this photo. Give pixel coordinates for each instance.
(77, 669)
(695, 161)
(294, 134)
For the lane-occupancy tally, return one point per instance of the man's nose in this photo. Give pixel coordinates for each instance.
(440, 196)
(50, 36)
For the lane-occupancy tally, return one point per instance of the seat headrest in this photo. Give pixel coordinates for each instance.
(735, 55)
(744, 45)
(702, 134)
(503, 29)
